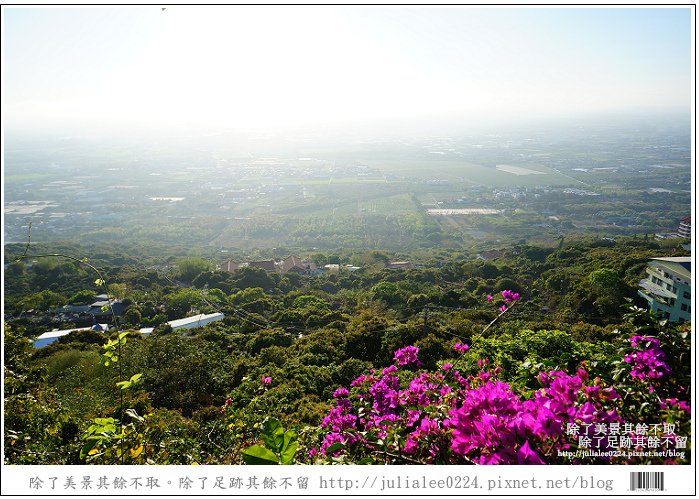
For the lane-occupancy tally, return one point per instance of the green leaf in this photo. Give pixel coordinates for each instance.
(89, 445)
(273, 434)
(99, 282)
(290, 447)
(256, 454)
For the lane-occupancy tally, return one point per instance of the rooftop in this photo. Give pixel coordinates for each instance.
(681, 265)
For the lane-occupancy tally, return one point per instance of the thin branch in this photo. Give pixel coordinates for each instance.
(480, 335)
(100, 282)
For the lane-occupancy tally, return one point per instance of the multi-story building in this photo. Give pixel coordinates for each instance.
(685, 228)
(668, 287)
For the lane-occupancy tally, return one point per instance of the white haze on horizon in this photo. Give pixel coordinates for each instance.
(234, 67)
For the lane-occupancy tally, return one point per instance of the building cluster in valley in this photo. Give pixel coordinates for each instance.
(290, 264)
(667, 289)
(296, 265)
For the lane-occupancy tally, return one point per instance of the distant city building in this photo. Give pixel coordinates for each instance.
(231, 266)
(103, 306)
(685, 228)
(268, 265)
(334, 268)
(297, 266)
(667, 289)
(291, 264)
(490, 255)
(400, 265)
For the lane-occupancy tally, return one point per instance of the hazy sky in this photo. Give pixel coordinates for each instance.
(269, 65)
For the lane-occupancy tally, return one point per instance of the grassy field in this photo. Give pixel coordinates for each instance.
(18, 178)
(468, 173)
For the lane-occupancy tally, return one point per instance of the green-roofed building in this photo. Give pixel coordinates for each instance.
(668, 287)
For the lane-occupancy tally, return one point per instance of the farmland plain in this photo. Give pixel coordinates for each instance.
(235, 191)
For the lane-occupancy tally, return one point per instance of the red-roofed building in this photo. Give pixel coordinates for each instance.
(267, 265)
(231, 266)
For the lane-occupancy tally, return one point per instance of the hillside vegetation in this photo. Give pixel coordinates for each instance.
(457, 360)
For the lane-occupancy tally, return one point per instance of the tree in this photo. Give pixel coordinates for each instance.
(190, 267)
(251, 277)
(132, 315)
(181, 302)
(43, 300)
(607, 291)
(267, 338)
(604, 279)
(117, 290)
(246, 295)
(83, 297)
(320, 259)
(184, 373)
(37, 431)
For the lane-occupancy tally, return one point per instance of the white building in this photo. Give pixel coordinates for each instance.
(50, 336)
(668, 287)
(186, 323)
(189, 322)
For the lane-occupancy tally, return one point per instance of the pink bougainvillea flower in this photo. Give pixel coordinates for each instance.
(526, 455)
(406, 355)
(461, 347)
(648, 361)
(341, 393)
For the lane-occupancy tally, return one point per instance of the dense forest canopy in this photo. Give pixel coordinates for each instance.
(292, 348)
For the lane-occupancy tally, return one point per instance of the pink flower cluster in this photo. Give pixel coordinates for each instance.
(339, 419)
(446, 417)
(406, 355)
(674, 403)
(510, 296)
(477, 419)
(648, 361)
(461, 347)
(494, 426)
